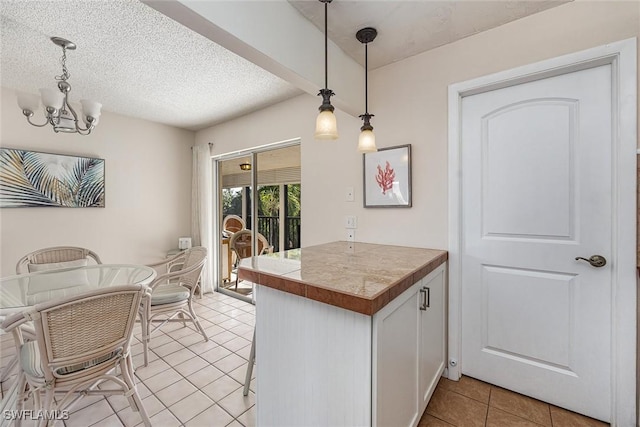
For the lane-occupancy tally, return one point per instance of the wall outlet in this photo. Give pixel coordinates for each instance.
(349, 196)
(351, 235)
(350, 221)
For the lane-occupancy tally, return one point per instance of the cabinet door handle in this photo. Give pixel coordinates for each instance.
(426, 298)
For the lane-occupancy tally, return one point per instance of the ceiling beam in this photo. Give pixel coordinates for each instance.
(277, 38)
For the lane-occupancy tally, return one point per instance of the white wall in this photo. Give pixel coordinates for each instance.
(327, 167)
(148, 190)
(409, 99)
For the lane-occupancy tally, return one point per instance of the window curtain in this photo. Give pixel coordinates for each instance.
(201, 210)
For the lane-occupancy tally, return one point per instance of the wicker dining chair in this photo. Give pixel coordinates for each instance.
(80, 341)
(232, 224)
(241, 246)
(47, 259)
(172, 294)
(55, 257)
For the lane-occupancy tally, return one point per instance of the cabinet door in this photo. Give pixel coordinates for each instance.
(432, 335)
(396, 362)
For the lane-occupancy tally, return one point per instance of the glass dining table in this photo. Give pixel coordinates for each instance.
(25, 290)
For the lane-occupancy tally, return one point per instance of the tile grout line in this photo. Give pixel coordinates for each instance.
(246, 325)
(486, 418)
(210, 364)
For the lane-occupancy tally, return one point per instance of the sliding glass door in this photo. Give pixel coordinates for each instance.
(258, 208)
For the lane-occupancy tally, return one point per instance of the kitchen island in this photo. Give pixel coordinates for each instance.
(347, 334)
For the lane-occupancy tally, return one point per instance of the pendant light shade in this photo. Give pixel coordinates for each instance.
(366, 140)
(326, 123)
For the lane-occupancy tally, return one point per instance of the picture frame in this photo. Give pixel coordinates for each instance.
(387, 177)
(35, 179)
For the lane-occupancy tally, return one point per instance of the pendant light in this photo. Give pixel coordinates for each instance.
(326, 125)
(366, 140)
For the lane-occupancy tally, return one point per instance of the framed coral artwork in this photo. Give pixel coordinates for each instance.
(387, 177)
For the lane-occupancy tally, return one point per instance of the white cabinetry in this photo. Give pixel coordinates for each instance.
(409, 352)
(320, 365)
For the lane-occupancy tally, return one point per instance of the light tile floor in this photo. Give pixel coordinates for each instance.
(190, 382)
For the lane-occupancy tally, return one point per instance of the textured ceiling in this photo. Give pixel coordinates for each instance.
(406, 28)
(134, 60)
(138, 62)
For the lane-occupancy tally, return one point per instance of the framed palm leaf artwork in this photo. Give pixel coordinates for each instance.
(33, 179)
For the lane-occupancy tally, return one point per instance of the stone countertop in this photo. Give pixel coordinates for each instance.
(361, 277)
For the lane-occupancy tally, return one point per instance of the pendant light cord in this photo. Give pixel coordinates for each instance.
(326, 50)
(366, 78)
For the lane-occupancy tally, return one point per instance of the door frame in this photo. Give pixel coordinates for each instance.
(216, 229)
(621, 56)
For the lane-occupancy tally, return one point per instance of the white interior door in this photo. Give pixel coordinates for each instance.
(536, 194)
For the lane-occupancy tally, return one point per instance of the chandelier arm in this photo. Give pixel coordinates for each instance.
(84, 131)
(75, 118)
(37, 125)
(69, 108)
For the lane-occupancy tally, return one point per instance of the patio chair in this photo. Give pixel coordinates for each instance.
(80, 341)
(172, 294)
(241, 246)
(55, 257)
(232, 224)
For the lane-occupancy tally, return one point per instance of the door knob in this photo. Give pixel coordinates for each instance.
(595, 260)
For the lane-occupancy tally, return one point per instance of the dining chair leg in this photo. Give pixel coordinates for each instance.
(184, 321)
(144, 326)
(128, 376)
(10, 403)
(6, 373)
(196, 321)
(47, 406)
(252, 359)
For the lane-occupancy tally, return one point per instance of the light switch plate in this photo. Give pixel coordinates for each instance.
(350, 221)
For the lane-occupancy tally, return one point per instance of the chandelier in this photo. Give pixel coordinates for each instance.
(58, 111)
